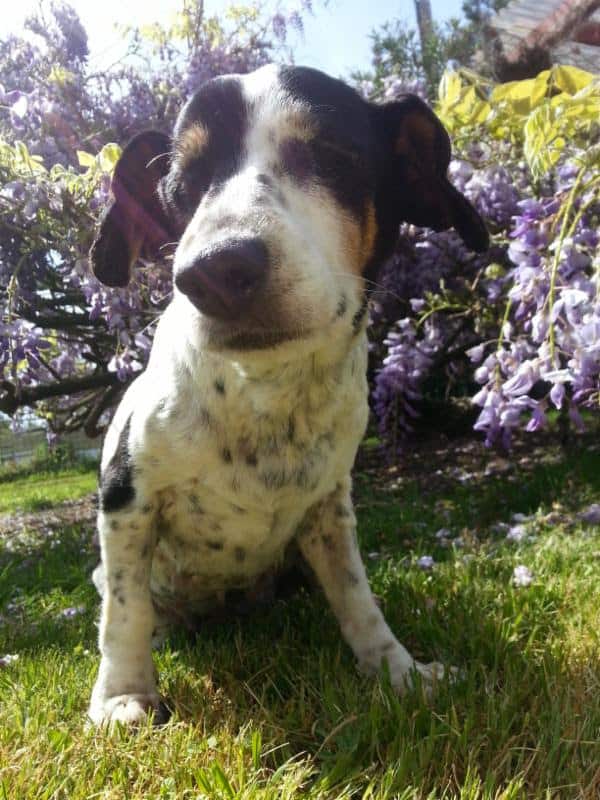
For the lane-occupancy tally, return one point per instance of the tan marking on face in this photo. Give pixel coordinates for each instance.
(360, 238)
(369, 233)
(191, 143)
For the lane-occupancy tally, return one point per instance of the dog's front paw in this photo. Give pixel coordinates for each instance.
(128, 709)
(429, 676)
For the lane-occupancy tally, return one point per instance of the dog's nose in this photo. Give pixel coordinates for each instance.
(222, 282)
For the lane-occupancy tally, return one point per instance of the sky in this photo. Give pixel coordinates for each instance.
(336, 38)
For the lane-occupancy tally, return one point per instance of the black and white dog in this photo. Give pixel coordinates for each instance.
(283, 191)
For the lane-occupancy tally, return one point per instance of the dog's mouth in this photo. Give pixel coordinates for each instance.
(244, 336)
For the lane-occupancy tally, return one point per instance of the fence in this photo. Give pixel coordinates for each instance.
(22, 446)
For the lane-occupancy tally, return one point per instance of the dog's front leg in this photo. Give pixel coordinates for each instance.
(125, 689)
(328, 542)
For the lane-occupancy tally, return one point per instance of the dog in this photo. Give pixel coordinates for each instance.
(283, 191)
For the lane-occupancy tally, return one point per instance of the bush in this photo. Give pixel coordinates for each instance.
(517, 329)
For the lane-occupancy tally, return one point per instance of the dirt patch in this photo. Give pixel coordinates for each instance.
(49, 521)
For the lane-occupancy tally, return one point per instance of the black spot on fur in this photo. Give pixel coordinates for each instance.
(195, 506)
(328, 542)
(342, 306)
(116, 487)
(251, 459)
(213, 544)
(147, 508)
(274, 479)
(145, 550)
(220, 386)
(387, 646)
(204, 418)
(291, 431)
(358, 318)
(239, 553)
(341, 511)
(351, 577)
(226, 455)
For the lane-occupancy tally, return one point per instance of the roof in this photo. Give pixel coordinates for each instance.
(568, 29)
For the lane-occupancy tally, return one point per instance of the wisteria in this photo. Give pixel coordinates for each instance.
(517, 329)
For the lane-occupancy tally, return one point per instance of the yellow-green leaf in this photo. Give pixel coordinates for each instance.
(108, 156)
(85, 159)
(571, 79)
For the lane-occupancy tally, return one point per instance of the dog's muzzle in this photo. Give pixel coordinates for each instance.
(223, 282)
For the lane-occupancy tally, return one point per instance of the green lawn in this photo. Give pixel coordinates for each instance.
(274, 708)
(37, 492)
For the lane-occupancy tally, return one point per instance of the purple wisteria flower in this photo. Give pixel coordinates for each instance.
(426, 563)
(72, 611)
(591, 515)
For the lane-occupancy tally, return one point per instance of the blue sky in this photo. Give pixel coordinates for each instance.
(336, 39)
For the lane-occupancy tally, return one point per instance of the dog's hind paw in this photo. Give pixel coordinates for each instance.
(132, 710)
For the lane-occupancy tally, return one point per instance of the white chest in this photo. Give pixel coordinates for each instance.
(235, 468)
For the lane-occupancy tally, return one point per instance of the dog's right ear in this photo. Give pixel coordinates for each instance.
(134, 222)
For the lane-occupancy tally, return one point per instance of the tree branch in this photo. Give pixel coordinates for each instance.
(12, 398)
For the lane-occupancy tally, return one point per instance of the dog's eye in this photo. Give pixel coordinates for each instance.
(188, 187)
(335, 155)
(297, 158)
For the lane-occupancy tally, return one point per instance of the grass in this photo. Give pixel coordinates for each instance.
(273, 707)
(44, 489)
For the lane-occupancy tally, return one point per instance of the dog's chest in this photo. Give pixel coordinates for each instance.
(249, 467)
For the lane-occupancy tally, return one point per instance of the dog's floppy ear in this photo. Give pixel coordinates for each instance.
(416, 181)
(134, 222)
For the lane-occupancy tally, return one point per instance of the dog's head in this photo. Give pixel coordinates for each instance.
(283, 190)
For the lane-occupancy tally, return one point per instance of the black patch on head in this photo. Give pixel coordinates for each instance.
(219, 105)
(220, 386)
(116, 486)
(296, 158)
(342, 149)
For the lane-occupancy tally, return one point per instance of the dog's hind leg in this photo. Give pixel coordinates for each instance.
(328, 542)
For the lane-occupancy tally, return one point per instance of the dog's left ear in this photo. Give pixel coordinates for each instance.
(134, 223)
(415, 181)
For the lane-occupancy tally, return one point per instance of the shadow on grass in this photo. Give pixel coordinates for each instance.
(517, 708)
